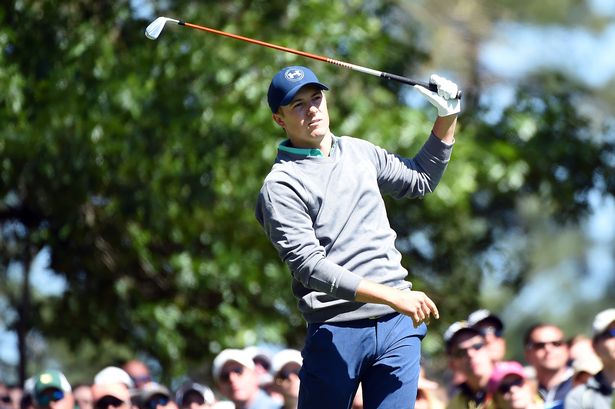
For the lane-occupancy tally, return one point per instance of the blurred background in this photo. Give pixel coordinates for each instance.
(129, 169)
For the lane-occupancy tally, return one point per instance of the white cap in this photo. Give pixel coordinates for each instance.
(113, 374)
(284, 357)
(482, 315)
(603, 320)
(589, 363)
(456, 328)
(237, 355)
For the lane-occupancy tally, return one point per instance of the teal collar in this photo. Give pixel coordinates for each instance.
(286, 146)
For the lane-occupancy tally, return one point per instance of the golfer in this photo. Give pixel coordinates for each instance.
(322, 208)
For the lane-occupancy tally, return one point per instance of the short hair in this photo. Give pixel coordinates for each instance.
(528, 332)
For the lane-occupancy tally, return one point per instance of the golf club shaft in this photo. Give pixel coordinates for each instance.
(354, 67)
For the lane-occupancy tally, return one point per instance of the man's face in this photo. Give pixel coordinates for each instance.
(496, 344)
(514, 392)
(288, 380)
(605, 345)
(546, 349)
(470, 356)
(306, 118)
(138, 372)
(238, 383)
(83, 397)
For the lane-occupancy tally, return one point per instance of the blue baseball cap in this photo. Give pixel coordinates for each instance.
(287, 82)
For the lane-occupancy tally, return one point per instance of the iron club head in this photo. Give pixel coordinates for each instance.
(154, 29)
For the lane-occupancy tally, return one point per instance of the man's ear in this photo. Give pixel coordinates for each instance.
(278, 120)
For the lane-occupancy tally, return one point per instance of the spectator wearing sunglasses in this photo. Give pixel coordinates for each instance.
(597, 393)
(192, 395)
(138, 372)
(155, 396)
(468, 355)
(233, 371)
(111, 396)
(547, 352)
(492, 328)
(52, 391)
(510, 388)
(285, 368)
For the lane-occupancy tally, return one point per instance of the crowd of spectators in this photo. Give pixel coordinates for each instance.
(557, 373)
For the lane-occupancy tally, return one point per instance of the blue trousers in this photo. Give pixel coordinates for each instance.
(382, 353)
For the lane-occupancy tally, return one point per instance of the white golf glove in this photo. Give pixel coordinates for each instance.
(445, 100)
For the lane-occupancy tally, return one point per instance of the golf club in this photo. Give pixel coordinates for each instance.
(154, 29)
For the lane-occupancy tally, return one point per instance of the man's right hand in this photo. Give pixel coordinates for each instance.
(415, 304)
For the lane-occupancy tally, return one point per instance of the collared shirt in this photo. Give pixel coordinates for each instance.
(466, 398)
(554, 397)
(287, 146)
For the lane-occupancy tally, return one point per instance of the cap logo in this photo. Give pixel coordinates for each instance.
(294, 75)
(46, 378)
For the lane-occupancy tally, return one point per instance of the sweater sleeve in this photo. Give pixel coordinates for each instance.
(402, 177)
(285, 218)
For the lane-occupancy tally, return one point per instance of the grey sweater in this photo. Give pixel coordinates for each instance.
(595, 394)
(327, 219)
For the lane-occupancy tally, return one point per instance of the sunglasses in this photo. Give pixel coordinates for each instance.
(463, 352)
(107, 401)
(609, 333)
(286, 374)
(141, 379)
(48, 396)
(490, 331)
(504, 388)
(543, 345)
(226, 375)
(156, 401)
(6, 399)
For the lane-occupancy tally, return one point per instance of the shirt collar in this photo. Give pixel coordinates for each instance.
(287, 146)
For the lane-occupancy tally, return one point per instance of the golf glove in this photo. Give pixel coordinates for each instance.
(445, 100)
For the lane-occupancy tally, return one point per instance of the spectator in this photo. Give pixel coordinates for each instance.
(262, 364)
(579, 345)
(510, 388)
(138, 371)
(233, 370)
(547, 353)
(262, 368)
(110, 395)
(113, 374)
(6, 402)
(492, 328)
(285, 367)
(153, 395)
(192, 395)
(597, 393)
(467, 354)
(84, 398)
(16, 394)
(52, 391)
(584, 367)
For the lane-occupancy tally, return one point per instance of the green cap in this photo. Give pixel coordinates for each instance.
(51, 379)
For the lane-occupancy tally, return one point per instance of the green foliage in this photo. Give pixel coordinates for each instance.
(137, 164)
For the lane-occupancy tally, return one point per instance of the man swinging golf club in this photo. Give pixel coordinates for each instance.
(322, 208)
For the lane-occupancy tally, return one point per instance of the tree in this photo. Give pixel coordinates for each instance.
(137, 164)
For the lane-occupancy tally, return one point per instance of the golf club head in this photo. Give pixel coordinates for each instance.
(155, 27)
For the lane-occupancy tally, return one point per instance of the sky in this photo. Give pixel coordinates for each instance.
(514, 51)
